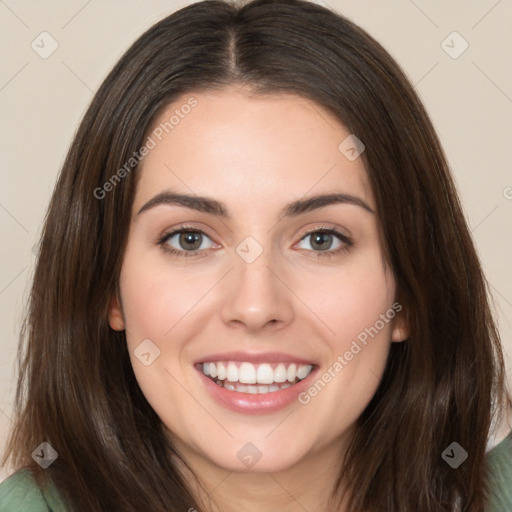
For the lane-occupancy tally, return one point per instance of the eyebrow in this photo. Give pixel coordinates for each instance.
(219, 209)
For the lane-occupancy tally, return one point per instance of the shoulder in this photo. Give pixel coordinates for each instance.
(499, 461)
(20, 493)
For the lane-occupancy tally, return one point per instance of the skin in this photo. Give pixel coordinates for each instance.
(256, 154)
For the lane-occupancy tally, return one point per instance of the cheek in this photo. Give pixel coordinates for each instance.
(162, 303)
(158, 305)
(157, 298)
(353, 312)
(351, 300)
(356, 305)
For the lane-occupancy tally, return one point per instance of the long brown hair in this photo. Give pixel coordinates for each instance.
(76, 388)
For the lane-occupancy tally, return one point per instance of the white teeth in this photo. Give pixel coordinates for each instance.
(232, 372)
(247, 373)
(292, 372)
(221, 371)
(280, 374)
(303, 371)
(265, 374)
(251, 389)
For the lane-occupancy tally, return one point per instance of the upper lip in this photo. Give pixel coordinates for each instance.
(255, 358)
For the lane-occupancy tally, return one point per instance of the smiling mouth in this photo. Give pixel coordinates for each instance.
(245, 377)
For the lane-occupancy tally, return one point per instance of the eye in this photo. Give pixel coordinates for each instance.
(322, 240)
(190, 241)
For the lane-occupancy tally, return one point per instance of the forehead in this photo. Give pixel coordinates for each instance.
(237, 146)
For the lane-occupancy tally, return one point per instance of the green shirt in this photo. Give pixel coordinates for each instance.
(19, 492)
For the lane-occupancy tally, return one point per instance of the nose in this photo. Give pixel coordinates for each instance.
(256, 295)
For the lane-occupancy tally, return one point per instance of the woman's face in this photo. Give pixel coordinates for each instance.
(252, 286)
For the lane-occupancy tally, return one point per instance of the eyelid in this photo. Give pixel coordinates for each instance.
(166, 235)
(346, 242)
(325, 227)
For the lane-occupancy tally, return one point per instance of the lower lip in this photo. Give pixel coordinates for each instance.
(261, 403)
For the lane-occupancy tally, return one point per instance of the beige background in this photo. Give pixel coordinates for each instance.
(42, 101)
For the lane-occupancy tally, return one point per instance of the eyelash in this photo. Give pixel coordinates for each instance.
(347, 242)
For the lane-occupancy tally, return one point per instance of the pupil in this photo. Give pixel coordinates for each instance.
(190, 238)
(319, 239)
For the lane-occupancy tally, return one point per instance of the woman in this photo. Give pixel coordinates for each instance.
(256, 288)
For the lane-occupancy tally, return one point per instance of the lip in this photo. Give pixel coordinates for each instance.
(254, 358)
(246, 403)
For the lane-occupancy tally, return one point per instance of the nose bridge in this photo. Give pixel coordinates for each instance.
(256, 297)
